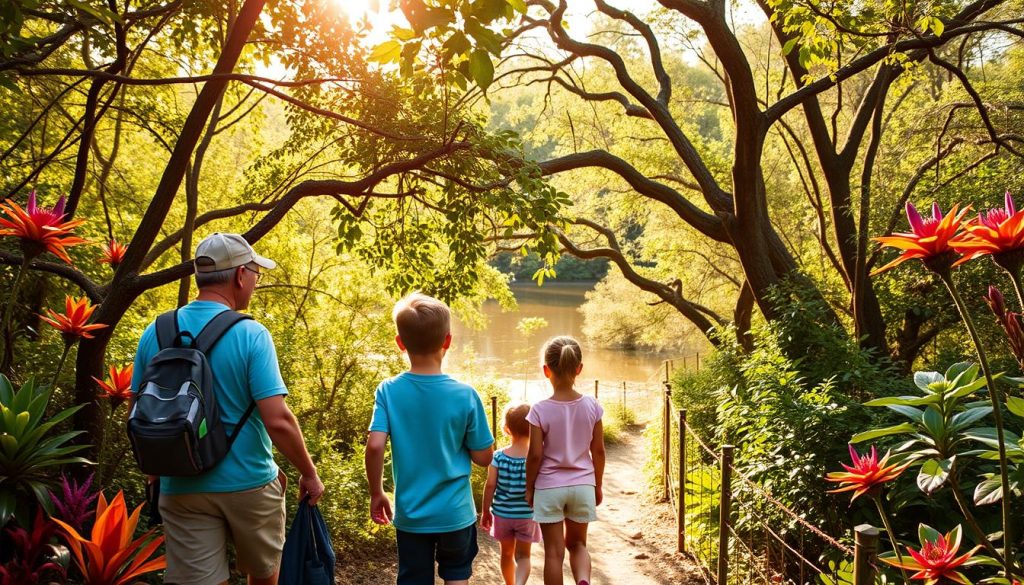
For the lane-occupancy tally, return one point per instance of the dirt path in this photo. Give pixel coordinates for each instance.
(633, 543)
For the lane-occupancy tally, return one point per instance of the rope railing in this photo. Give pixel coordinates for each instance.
(736, 530)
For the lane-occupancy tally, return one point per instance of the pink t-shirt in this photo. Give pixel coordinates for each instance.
(568, 429)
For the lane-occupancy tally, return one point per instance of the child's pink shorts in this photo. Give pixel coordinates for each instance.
(521, 529)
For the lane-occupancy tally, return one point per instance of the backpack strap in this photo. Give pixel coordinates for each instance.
(209, 337)
(241, 423)
(216, 329)
(167, 329)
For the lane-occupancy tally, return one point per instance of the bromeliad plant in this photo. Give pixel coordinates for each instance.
(956, 412)
(30, 452)
(111, 555)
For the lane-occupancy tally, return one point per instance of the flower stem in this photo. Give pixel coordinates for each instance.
(60, 365)
(8, 339)
(892, 535)
(972, 523)
(1015, 279)
(997, 414)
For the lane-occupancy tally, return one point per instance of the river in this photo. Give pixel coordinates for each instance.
(501, 352)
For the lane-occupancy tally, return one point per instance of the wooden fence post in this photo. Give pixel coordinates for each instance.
(865, 549)
(666, 442)
(684, 363)
(494, 417)
(698, 361)
(623, 397)
(681, 540)
(667, 366)
(597, 387)
(724, 513)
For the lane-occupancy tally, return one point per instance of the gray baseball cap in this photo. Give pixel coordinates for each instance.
(228, 251)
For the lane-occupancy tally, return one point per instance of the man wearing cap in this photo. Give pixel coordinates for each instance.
(241, 499)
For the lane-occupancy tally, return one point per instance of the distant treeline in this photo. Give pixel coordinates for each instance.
(568, 267)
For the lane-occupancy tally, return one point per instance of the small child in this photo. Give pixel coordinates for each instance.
(437, 427)
(565, 464)
(506, 515)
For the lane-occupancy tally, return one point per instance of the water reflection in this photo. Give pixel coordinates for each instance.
(502, 352)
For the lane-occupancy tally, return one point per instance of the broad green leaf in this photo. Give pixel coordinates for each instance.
(989, 491)
(386, 52)
(1015, 405)
(910, 412)
(933, 474)
(923, 379)
(966, 418)
(518, 5)
(481, 68)
(790, 44)
(933, 421)
(905, 400)
(875, 433)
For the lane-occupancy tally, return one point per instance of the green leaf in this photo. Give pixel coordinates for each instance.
(386, 52)
(934, 422)
(1015, 405)
(905, 400)
(910, 412)
(923, 379)
(989, 491)
(966, 418)
(938, 26)
(790, 44)
(933, 474)
(402, 34)
(926, 533)
(884, 432)
(481, 68)
(517, 5)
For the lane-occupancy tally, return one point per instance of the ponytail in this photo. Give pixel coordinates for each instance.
(563, 356)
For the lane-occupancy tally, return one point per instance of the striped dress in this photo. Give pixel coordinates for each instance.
(510, 493)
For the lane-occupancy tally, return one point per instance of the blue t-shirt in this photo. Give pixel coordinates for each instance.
(433, 422)
(244, 366)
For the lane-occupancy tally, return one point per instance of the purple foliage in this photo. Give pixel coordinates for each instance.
(29, 564)
(75, 504)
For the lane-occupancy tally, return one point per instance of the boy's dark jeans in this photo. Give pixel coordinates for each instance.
(454, 552)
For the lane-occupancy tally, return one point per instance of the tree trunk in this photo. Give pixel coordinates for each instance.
(124, 287)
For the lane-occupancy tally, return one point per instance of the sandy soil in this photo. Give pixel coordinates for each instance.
(633, 542)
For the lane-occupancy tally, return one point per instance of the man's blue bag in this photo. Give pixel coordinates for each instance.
(308, 558)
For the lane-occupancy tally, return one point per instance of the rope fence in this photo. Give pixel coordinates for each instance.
(736, 530)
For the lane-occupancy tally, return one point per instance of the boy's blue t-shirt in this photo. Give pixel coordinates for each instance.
(434, 421)
(245, 368)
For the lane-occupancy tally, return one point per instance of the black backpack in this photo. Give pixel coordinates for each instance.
(175, 425)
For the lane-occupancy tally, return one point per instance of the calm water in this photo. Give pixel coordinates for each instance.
(502, 352)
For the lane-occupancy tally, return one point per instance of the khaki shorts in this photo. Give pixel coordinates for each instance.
(575, 502)
(199, 526)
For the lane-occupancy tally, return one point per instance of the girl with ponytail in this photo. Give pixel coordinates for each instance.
(565, 463)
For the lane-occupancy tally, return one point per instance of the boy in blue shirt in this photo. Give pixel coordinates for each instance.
(437, 428)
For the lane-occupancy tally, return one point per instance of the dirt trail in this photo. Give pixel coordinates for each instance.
(632, 543)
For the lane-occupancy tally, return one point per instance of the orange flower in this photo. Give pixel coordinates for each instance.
(866, 473)
(930, 239)
(109, 556)
(72, 324)
(113, 253)
(118, 385)
(996, 231)
(937, 558)
(39, 229)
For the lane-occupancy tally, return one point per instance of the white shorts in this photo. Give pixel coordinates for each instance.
(575, 502)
